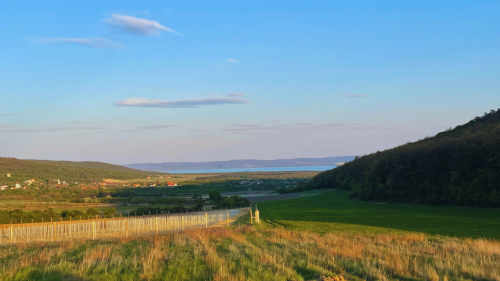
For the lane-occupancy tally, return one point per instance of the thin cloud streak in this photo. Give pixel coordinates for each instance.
(190, 103)
(232, 60)
(237, 95)
(154, 127)
(138, 26)
(6, 114)
(93, 42)
(354, 95)
(11, 129)
(298, 127)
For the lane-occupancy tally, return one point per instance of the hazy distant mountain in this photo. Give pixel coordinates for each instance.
(297, 162)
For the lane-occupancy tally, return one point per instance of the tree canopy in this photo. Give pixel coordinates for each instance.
(459, 166)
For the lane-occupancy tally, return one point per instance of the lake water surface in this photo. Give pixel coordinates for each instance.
(264, 169)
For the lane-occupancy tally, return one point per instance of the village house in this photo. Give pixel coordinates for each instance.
(3, 187)
(171, 183)
(30, 181)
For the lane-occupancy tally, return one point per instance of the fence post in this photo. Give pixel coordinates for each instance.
(126, 228)
(55, 231)
(251, 217)
(206, 220)
(156, 222)
(227, 218)
(11, 233)
(93, 230)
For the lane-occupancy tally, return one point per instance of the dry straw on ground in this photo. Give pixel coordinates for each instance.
(245, 253)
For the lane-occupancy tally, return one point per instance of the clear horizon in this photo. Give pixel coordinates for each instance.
(150, 82)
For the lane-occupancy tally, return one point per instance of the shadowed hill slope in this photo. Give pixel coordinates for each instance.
(460, 166)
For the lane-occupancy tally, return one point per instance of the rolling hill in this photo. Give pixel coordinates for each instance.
(44, 170)
(460, 166)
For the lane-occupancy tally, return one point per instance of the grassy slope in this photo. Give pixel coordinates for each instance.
(94, 165)
(47, 170)
(332, 211)
(244, 253)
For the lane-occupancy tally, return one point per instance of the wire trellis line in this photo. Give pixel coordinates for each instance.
(110, 227)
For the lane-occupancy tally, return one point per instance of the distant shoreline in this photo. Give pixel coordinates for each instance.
(243, 164)
(259, 169)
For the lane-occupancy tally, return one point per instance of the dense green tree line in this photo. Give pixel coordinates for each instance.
(20, 216)
(460, 166)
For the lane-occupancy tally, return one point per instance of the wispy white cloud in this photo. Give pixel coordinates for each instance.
(190, 103)
(154, 127)
(354, 95)
(94, 42)
(232, 60)
(237, 94)
(138, 26)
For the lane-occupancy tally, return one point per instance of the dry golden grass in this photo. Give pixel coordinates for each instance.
(244, 253)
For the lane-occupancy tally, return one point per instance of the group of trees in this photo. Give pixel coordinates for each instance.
(460, 166)
(227, 202)
(18, 216)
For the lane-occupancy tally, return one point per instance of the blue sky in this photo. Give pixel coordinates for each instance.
(153, 81)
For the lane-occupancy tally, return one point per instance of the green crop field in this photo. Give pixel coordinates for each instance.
(334, 212)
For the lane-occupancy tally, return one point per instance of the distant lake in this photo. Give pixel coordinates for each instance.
(263, 169)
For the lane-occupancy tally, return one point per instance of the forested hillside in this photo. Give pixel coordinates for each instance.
(460, 166)
(92, 164)
(43, 171)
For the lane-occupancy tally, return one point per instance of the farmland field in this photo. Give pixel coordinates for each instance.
(334, 212)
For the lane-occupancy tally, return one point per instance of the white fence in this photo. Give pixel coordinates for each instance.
(115, 227)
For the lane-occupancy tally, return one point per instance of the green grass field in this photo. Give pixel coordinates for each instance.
(333, 211)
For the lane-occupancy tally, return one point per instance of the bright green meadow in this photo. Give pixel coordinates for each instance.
(334, 212)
